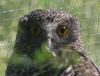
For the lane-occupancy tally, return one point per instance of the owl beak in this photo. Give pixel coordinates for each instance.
(55, 52)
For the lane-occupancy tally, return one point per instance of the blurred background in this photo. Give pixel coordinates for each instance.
(87, 11)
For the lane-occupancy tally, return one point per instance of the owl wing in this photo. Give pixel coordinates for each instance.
(84, 67)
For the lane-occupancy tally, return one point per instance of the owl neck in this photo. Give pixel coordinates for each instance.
(74, 52)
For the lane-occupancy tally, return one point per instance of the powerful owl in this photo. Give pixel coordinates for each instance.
(48, 44)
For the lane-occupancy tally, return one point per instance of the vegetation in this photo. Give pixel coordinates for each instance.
(87, 11)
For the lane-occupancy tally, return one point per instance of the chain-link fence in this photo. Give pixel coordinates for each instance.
(87, 11)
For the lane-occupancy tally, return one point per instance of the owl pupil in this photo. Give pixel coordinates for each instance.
(62, 30)
(36, 30)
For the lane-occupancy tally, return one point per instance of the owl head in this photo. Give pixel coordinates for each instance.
(58, 30)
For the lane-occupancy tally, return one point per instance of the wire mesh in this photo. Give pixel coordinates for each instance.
(87, 11)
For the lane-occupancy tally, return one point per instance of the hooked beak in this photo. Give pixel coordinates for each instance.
(56, 51)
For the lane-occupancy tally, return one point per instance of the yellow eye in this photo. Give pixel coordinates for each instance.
(62, 31)
(35, 30)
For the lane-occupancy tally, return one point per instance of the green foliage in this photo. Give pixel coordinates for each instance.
(41, 56)
(87, 11)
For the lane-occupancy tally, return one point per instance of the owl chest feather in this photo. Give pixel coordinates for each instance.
(42, 63)
(84, 67)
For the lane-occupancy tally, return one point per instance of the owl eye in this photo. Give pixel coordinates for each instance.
(62, 31)
(35, 30)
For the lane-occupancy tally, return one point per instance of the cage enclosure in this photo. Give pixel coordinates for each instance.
(87, 12)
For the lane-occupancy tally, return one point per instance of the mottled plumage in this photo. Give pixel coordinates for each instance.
(48, 44)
